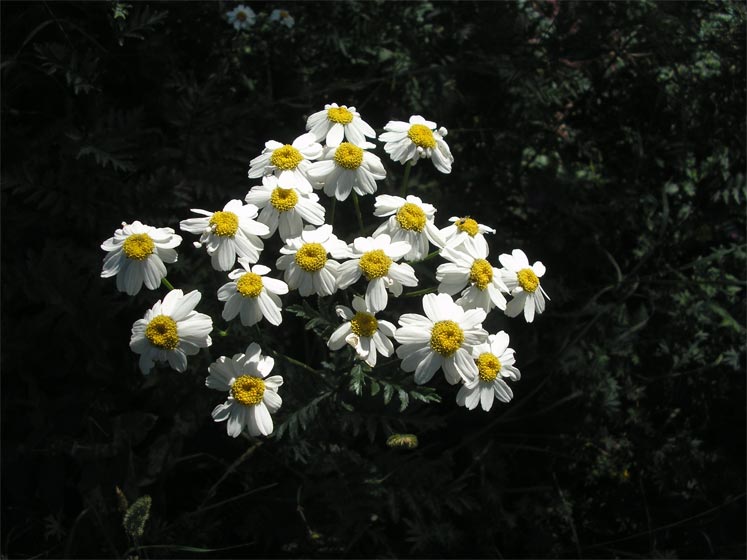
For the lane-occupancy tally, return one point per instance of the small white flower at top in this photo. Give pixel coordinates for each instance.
(285, 208)
(241, 17)
(228, 233)
(252, 295)
(305, 262)
(523, 284)
(374, 258)
(363, 331)
(170, 331)
(289, 162)
(136, 255)
(337, 122)
(444, 338)
(252, 395)
(411, 141)
(495, 362)
(410, 220)
(282, 17)
(469, 272)
(347, 167)
(461, 229)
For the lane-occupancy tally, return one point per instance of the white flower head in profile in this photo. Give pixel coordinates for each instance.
(170, 331)
(363, 331)
(305, 262)
(495, 362)
(290, 162)
(241, 17)
(285, 209)
(252, 295)
(410, 220)
(282, 17)
(523, 284)
(337, 122)
(252, 395)
(345, 168)
(469, 272)
(136, 253)
(443, 338)
(416, 139)
(374, 258)
(461, 229)
(227, 233)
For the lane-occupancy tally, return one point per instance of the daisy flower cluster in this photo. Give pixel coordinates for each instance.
(293, 184)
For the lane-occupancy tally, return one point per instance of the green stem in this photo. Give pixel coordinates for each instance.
(297, 363)
(429, 256)
(406, 178)
(358, 212)
(166, 283)
(420, 292)
(223, 333)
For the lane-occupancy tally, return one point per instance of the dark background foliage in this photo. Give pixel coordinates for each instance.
(604, 138)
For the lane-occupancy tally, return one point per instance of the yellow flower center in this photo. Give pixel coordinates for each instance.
(467, 225)
(138, 246)
(421, 136)
(488, 366)
(481, 273)
(528, 280)
(349, 156)
(224, 224)
(339, 115)
(375, 264)
(411, 217)
(286, 158)
(311, 257)
(446, 337)
(249, 285)
(283, 199)
(161, 332)
(364, 324)
(248, 390)
(241, 16)
(283, 14)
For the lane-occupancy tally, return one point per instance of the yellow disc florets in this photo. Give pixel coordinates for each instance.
(528, 280)
(161, 332)
(286, 158)
(481, 273)
(241, 16)
(364, 324)
(224, 224)
(421, 136)
(375, 264)
(283, 199)
(138, 246)
(249, 285)
(488, 366)
(311, 257)
(348, 156)
(446, 338)
(411, 217)
(248, 390)
(467, 225)
(339, 115)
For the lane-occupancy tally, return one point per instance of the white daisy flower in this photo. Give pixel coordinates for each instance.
(170, 331)
(417, 139)
(443, 338)
(461, 229)
(338, 122)
(366, 334)
(286, 208)
(136, 255)
(252, 295)
(411, 220)
(374, 258)
(523, 283)
(345, 168)
(228, 233)
(470, 272)
(495, 362)
(283, 17)
(290, 162)
(304, 260)
(241, 17)
(252, 396)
